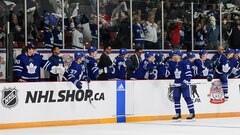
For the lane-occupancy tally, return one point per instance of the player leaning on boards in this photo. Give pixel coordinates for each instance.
(75, 73)
(183, 75)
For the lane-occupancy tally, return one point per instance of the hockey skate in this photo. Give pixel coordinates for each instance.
(191, 117)
(226, 97)
(177, 117)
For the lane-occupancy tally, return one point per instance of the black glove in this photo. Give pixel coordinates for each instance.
(79, 85)
(87, 79)
(209, 78)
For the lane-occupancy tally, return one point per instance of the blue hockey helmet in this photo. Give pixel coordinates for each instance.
(190, 54)
(171, 53)
(91, 49)
(178, 52)
(78, 55)
(30, 46)
(123, 51)
(148, 54)
(202, 52)
(159, 57)
(229, 50)
(236, 51)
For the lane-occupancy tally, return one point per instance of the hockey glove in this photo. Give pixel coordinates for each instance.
(209, 78)
(184, 84)
(78, 84)
(87, 79)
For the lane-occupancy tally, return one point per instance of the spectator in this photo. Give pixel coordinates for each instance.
(146, 6)
(27, 66)
(150, 35)
(175, 34)
(123, 37)
(105, 63)
(158, 14)
(110, 7)
(48, 37)
(57, 35)
(138, 32)
(212, 33)
(77, 37)
(234, 38)
(200, 36)
(56, 60)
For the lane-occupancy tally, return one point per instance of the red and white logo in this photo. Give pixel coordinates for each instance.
(216, 93)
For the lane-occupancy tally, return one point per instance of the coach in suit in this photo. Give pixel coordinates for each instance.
(135, 60)
(104, 63)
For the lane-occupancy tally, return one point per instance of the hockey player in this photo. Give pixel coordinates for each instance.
(119, 64)
(92, 65)
(237, 57)
(171, 63)
(190, 60)
(160, 71)
(144, 68)
(75, 73)
(56, 60)
(183, 75)
(233, 63)
(27, 66)
(169, 57)
(203, 65)
(219, 52)
(221, 69)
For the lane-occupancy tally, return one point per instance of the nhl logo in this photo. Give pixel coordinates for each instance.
(216, 93)
(170, 93)
(9, 97)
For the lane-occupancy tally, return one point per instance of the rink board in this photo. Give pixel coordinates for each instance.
(60, 103)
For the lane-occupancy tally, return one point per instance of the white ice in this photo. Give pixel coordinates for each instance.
(220, 126)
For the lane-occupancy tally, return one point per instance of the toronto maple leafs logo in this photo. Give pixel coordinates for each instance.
(225, 68)
(31, 68)
(9, 97)
(177, 73)
(205, 72)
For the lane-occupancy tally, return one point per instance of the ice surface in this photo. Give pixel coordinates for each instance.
(220, 126)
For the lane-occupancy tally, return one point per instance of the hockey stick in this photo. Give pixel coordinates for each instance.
(88, 85)
(191, 83)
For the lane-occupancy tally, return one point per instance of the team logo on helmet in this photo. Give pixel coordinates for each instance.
(216, 93)
(9, 97)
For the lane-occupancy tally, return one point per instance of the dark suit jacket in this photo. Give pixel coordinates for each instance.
(134, 64)
(104, 61)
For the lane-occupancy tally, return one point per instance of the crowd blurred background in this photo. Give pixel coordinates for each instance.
(122, 23)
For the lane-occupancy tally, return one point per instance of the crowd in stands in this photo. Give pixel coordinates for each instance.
(44, 27)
